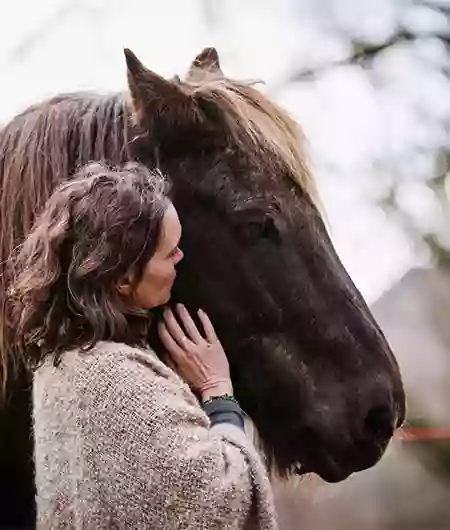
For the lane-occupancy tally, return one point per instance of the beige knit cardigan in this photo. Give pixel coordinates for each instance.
(122, 443)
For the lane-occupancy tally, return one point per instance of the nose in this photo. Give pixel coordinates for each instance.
(179, 256)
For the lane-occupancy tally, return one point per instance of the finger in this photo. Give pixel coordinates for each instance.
(169, 343)
(210, 332)
(189, 324)
(175, 330)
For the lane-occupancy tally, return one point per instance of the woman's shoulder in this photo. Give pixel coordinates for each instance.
(77, 365)
(113, 376)
(111, 353)
(108, 363)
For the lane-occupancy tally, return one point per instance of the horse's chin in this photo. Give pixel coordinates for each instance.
(334, 475)
(330, 472)
(326, 468)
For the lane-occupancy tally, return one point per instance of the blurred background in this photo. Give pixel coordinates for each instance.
(369, 82)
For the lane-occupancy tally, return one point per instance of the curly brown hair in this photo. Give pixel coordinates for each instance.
(96, 228)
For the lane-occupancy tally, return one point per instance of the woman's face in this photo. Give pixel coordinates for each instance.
(155, 286)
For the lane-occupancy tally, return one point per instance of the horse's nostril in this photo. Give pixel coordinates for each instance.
(379, 423)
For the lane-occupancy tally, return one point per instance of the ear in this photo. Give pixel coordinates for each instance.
(152, 94)
(125, 286)
(205, 64)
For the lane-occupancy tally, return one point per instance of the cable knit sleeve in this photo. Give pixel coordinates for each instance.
(149, 458)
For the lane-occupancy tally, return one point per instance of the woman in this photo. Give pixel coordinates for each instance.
(121, 441)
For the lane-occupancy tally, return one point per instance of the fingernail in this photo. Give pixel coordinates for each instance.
(200, 311)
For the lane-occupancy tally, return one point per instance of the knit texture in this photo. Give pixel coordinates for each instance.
(122, 443)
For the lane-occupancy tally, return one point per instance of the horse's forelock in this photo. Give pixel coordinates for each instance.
(259, 126)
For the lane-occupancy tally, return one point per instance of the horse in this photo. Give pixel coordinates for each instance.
(310, 366)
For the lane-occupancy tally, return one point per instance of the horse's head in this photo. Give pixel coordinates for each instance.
(309, 363)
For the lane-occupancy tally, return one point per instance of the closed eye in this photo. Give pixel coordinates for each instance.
(174, 250)
(259, 222)
(257, 230)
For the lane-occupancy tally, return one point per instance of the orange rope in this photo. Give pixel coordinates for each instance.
(414, 434)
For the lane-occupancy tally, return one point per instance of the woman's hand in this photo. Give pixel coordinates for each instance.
(200, 361)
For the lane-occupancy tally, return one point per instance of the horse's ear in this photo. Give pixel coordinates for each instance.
(134, 65)
(149, 90)
(205, 64)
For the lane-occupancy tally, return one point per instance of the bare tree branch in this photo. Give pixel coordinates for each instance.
(363, 54)
(440, 7)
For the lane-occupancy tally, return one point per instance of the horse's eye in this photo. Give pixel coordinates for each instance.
(254, 231)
